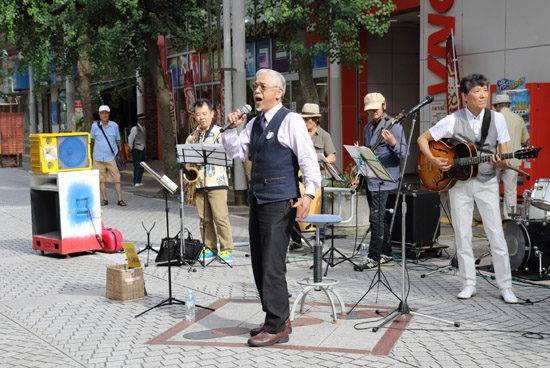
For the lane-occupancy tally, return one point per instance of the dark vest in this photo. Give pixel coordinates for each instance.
(274, 175)
(464, 133)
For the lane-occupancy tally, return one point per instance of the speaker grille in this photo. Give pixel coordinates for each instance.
(73, 152)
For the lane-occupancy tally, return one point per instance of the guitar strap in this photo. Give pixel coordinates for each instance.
(484, 128)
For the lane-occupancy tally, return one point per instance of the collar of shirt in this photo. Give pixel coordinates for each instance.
(269, 114)
(475, 121)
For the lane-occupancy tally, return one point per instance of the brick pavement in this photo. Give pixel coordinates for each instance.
(54, 313)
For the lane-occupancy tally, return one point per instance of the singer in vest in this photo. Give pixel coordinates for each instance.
(136, 141)
(465, 125)
(278, 145)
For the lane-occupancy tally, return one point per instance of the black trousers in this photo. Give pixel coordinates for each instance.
(269, 227)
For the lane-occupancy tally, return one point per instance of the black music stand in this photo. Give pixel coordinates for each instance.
(368, 163)
(204, 154)
(169, 186)
(328, 256)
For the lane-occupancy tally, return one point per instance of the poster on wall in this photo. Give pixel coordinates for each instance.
(172, 69)
(320, 61)
(194, 66)
(183, 66)
(263, 54)
(280, 58)
(205, 68)
(249, 60)
(438, 110)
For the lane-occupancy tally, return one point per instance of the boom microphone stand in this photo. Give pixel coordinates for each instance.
(169, 186)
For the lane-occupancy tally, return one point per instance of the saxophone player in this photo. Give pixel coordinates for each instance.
(211, 188)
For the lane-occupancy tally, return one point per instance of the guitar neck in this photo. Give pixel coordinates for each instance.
(468, 161)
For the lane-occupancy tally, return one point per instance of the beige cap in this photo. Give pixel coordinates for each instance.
(374, 101)
(501, 98)
(311, 110)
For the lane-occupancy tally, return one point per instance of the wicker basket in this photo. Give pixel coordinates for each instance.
(124, 283)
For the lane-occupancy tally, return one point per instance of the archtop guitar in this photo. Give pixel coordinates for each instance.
(464, 162)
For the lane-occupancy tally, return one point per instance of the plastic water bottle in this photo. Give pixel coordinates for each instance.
(190, 306)
(364, 249)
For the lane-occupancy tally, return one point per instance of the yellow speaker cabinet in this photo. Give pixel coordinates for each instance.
(60, 152)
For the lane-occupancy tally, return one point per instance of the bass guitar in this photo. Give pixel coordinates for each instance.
(392, 122)
(464, 162)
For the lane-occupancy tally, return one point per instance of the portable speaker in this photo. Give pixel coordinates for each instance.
(421, 223)
(60, 152)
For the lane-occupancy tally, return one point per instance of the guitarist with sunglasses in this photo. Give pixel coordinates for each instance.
(487, 130)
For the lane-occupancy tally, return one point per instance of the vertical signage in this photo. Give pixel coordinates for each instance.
(434, 49)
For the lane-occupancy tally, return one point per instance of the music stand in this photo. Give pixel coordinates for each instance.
(328, 256)
(204, 154)
(368, 163)
(169, 186)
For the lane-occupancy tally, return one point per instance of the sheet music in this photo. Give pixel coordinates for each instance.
(368, 163)
(330, 169)
(195, 154)
(359, 161)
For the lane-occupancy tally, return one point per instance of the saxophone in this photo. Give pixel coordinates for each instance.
(191, 178)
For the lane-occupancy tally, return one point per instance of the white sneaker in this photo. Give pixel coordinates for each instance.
(137, 185)
(508, 296)
(467, 292)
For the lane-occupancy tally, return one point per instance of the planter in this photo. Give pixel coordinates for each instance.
(359, 218)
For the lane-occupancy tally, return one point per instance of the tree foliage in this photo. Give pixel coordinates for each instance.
(323, 27)
(103, 40)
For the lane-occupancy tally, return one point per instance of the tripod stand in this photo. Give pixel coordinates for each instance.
(148, 245)
(169, 186)
(204, 154)
(328, 257)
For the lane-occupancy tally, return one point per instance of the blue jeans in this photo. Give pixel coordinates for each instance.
(379, 224)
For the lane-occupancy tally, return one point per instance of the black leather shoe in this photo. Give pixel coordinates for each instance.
(267, 339)
(257, 330)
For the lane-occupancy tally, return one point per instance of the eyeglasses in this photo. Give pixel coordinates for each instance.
(262, 87)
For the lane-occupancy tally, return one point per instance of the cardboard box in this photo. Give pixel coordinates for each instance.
(124, 283)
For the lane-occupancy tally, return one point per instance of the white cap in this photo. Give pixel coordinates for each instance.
(104, 108)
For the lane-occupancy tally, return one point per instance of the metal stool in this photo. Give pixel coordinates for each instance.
(317, 281)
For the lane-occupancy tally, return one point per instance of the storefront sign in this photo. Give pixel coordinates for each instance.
(437, 37)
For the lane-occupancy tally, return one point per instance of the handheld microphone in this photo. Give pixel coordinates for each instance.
(429, 99)
(244, 110)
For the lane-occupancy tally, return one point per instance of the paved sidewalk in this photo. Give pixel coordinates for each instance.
(54, 313)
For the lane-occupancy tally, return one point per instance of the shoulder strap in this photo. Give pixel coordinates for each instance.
(485, 127)
(105, 135)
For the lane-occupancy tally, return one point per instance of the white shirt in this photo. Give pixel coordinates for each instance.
(292, 134)
(445, 127)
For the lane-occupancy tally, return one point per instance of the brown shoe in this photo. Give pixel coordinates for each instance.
(257, 330)
(267, 339)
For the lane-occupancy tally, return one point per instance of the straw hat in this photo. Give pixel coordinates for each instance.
(311, 111)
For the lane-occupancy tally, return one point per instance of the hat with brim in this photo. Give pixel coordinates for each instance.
(311, 110)
(140, 116)
(104, 108)
(374, 101)
(502, 98)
